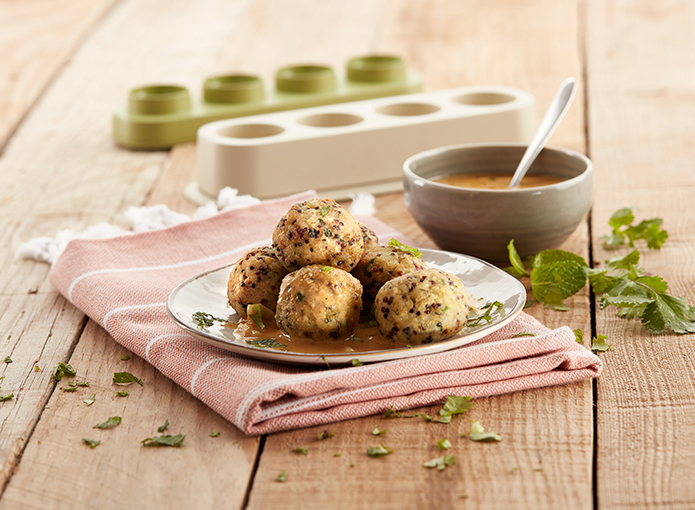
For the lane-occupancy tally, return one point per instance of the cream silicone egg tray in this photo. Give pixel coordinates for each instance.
(159, 116)
(354, 147)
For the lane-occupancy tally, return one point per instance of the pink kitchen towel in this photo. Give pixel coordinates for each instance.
(123, 284)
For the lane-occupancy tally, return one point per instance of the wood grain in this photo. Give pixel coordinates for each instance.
(641, 114)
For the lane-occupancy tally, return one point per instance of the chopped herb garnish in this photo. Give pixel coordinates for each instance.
(579, 335)
(356, 363)
(303, 451)
(522, 333)
(3, 398)
(478, 433)
(8, 360)
(91, 442)
(623, 230)
(111, 422)
(125, 378)
(325, 435)
(377, 432)
(441, 462)
(89, 401)
(267, 343)
(323, 357)
(455, 405)
(411, 415)
(81, 384)
(337, 454)
(282, 477)
(162, 428)
(205, 320)
(325, 210)
(69, 389)
(599, 344)
(476, 318)
(125, 357)
(378, 451)
(300, 296)
(257, 316)
(122, 393)
(443, 444)
(214, 434)
(391, 412)
(176, 440)
(325, 269)
(394, 243)
(61, 370)
(528, 303)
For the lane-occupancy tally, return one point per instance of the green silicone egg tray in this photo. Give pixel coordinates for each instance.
(159, 116)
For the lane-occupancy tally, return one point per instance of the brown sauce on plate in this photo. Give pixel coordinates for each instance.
(496, 180)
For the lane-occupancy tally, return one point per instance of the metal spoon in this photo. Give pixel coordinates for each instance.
(556, 111)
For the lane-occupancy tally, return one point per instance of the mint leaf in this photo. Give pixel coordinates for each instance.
(518, 270)
(303, 451)
(552, 282)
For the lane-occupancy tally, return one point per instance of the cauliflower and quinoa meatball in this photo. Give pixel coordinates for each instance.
(318, 231)
(422, 307)
(319, 302)
(255, 279)
(368, 236)
(379, 264)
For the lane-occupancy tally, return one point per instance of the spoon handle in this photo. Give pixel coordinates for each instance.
(556, 111)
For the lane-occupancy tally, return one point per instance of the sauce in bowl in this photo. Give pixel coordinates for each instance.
(496, 180)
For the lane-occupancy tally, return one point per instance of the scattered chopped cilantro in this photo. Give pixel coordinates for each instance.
(394, 243)
(8, 360)
(214, 434)
(454, 405)
(325, 435)
(267, 343)
(89, 401)
(377, 432)
(125, 357)
(61, 370)
(82, 384)
(110, 423)
(579, 335)
(325, 210)
(282, 477)
(337, 454)
(441, 462)
(3, 398)
(522, 333)
(378, 451)
(476, 318)
(302, 451)
(325, 269)
(391, 412)
(69, 389)
(125, 378)
(443, 444)
(176, 440)
(37, 369)
(623, 230)
(122, 393)
(478, 433)
(205, 320)
(411, 415)
(257, 316)
(356, 363)
(300, 297)
(91, 442)
(323, 357)
(599, 343)
(162, 428)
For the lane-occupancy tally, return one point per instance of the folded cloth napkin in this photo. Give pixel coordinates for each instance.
(123, 284)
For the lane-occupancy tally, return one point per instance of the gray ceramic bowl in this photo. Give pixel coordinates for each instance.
(481, 222)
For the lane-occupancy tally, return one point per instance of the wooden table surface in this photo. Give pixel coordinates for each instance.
(626, 440)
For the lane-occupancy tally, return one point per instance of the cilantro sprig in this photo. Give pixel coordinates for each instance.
(624, 231)
(557, 275)
(395, 243)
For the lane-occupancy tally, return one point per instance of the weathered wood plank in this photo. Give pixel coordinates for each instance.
(641, 112)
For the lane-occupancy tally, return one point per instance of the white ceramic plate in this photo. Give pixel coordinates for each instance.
(484, 282)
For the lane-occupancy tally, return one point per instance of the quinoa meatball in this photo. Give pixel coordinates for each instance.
(368, 236)
(379, 264)
(422, 307)
(319, 302)
(255, 279)
(318, 231)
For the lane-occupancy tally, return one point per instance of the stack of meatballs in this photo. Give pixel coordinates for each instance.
(325, 269)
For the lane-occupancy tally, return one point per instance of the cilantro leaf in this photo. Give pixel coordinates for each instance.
(91, 442)
(8, 360)
(443, 444)
(455, 405)
(476, 317)
(599, 344)
(282, 477)
(623, 230)
(175, 441)
(61, 370)
(110, 423)
(378, 451)
(392, 412)
(205, 320)
(162, 428)
(377, 432)
(394, 243)
(669, 312)
(579, 335)
(89, 401)
(125, 378)
(356, 363)
(478, 433)
(441, 462)
(214, 434)
(303, 451)
(122, 393)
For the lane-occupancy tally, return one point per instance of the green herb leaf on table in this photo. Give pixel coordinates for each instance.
(518, 270)
(394, 243)
(110, 423)
(91, 442)
(302, 451)
(623, 231)
(125, 378)
(8, 360)
(356, 363)
(476, 317)
(167, 440)
(282, 477)
(455, 405)
(378, 451)
(125, 357)
(205, 320)
(443, 444)
(326, 434)
(478, 433)
(89, 401)
(4, 398)
(441, 462)
(378, 432)
(122, 393)
(61, 370)
(162, 428)
(214, 434)
(599, 344)
(392, 413)
(578, 336)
